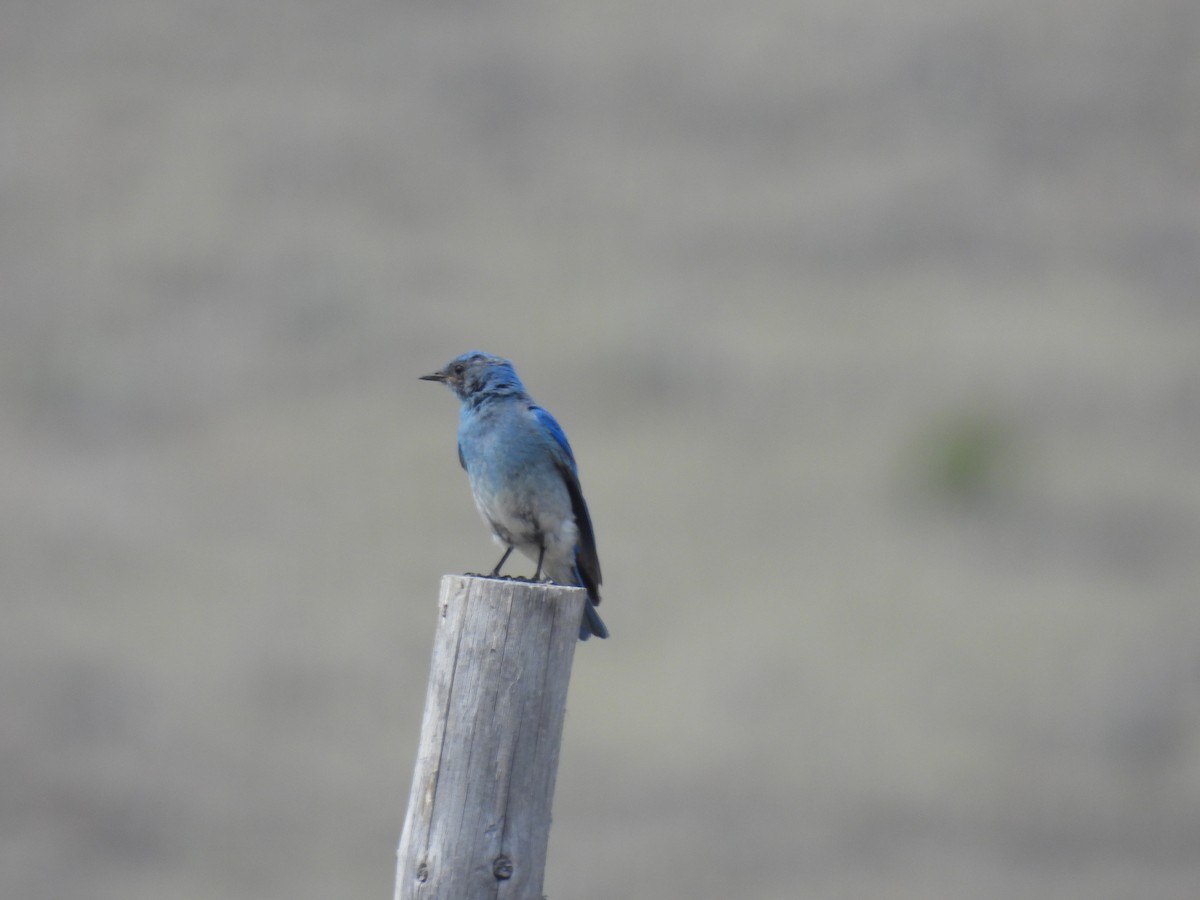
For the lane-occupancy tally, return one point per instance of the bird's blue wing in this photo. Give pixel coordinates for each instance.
(550, 424)
(586, 559)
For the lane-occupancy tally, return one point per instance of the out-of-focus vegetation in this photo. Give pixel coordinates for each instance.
(968, 455)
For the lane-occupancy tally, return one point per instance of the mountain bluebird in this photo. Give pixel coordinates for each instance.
(523, 476)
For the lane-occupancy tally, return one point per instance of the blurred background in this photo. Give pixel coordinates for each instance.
(875, 329)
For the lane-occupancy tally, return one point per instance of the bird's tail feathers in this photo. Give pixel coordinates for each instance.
(591, 624)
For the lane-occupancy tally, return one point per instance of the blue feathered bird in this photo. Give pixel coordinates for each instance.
(523, 476)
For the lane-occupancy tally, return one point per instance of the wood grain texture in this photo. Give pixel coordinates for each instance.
(478, 819)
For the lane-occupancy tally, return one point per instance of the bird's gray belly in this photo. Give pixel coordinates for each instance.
(520, 515)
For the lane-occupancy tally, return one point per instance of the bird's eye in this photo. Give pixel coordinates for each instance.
(459, 369)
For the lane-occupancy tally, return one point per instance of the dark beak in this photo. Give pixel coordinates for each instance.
(435, 376)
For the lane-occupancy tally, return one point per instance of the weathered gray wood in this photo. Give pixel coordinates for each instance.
(478, 817)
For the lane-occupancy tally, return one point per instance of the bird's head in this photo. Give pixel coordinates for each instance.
(477, 372)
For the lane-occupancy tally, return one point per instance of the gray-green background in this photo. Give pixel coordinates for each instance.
(875, 328)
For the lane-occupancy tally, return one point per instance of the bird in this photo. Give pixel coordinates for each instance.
(523, 476)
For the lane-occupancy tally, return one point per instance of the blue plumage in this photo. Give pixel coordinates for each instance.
(523, 476)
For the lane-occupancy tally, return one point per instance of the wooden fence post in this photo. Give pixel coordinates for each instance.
(478, 817)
